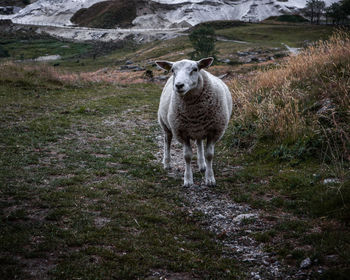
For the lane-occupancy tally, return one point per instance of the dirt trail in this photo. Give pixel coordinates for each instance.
(233, 223)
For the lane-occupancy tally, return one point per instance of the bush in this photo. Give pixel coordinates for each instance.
(3, 52)
(203, 41)
(307, 96)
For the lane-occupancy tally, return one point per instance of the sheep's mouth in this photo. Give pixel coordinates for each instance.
(182, 92)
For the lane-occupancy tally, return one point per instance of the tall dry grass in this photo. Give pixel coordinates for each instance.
(308, 94)
(45, 75)
(12, 73)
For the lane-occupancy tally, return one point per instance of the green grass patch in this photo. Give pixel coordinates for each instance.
(81, 189)
(274, 34)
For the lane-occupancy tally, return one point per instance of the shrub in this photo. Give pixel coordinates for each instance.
(308, 95)
(3, 52)
(203, 41)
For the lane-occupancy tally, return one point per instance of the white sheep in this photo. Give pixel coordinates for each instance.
(194, 105)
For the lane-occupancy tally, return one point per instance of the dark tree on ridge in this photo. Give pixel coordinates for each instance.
(203, 41)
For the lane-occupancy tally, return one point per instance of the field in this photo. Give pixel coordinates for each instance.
(84, 196)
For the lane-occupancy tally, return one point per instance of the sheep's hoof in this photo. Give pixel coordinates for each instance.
(202, 167)
(210, 182)
(188, 184)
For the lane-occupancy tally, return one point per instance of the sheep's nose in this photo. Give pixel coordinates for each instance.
(179, 86)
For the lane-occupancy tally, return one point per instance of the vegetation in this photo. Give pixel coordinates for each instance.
(3, 52)
(96, 205)
(338, 12)
(203, 41)
(107, 14)
(308, 94)
(84, 196)
(288, 18)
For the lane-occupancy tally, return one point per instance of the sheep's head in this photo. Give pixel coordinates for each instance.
(185, 72)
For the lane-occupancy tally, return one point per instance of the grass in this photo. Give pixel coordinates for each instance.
(273, 35)
(290, 101)
(82, 195)
(288, 151)
(31, 49)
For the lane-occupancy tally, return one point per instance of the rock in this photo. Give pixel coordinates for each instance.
(331, 259)
(305, 263)
(255, 275)
(241, 217)
(331, 181)
(219, 216)
(242, 53)
(245, 59)
(162, 78)
(48, 57)
(131, 67)
(327, 106)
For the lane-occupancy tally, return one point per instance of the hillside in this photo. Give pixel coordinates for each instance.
(107, 14)
(83, 191)
(17, 3)
(154, 13)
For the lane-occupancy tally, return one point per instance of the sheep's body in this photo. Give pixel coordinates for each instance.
(202, 113)
(199, 115)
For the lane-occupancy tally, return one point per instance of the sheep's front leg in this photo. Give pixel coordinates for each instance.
(209, 155)
(167, 142)
(188, 177)
(200, 156)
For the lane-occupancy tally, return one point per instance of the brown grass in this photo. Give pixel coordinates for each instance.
(41, 74)
(306, 94)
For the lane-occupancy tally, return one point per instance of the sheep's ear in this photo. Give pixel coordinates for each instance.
(166, 65)
(205, 62)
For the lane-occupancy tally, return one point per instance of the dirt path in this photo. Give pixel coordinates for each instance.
(233, 223)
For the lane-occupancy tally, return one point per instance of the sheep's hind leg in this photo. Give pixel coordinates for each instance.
(200, 156)
(188, 176)
(168, 136)
(209, 155)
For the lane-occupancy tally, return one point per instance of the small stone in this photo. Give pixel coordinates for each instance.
(240, 217)
(305, 263)
(331, 258)
(331, 181)
(219, 216)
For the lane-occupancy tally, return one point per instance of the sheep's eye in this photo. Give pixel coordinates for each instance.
(194, 70)
(172, 70)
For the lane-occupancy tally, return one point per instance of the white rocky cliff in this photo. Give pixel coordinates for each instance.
(164, 13)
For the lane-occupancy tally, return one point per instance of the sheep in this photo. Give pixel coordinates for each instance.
(194, 105)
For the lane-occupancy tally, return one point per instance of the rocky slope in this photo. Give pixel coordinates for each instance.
(153, 13)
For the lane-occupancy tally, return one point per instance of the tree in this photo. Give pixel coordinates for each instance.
(346, 6)
(337, 13)
(314, 10)
(203, 41)
(319, 9)
(328, 13)
(3, 52)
